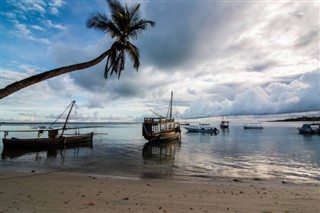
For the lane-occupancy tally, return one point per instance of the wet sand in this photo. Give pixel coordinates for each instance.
(69, 192)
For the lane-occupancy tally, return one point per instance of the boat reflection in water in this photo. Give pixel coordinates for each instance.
(52, 152)
(159, 158)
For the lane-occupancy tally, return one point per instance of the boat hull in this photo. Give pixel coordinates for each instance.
(165, 137)
(160, 129)
(19, 143)
(202, 129)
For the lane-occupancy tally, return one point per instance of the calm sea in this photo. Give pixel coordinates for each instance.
(277, 151)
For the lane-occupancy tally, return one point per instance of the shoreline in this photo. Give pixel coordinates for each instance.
(73, 192)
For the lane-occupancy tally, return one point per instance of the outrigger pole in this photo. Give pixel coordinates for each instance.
(65, 123)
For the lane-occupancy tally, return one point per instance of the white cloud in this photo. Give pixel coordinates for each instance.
(302, 94)
(30, 6)
(50, 24)
(55, 5)
(22, 29)
(10, 15)
(37, 27)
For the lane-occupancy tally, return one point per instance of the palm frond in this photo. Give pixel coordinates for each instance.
(101, 22)
(140, 26)
(133, 52)
(134, 13)
(97, 20)
(124, 23)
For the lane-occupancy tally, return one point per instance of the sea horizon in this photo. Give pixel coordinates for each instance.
(260, 117)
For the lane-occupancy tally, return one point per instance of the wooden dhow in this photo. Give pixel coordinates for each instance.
(55, 138)
(161, 128)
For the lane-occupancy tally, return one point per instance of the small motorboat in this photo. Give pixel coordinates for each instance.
(204, 128)
(313, 128)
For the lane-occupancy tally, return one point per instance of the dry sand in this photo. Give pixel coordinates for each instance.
(67, 192)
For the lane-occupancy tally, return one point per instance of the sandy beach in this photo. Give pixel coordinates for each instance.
(70, 192)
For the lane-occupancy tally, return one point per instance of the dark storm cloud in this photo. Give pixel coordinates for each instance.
(182, 28)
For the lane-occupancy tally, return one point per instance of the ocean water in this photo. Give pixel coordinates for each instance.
(277, 152)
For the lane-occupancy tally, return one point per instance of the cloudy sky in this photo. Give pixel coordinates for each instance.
(219, 58)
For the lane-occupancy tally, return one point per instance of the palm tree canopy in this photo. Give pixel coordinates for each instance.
(125, 23)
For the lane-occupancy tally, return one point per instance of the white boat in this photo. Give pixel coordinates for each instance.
(204, 128)
(313, 128)
(253, 126)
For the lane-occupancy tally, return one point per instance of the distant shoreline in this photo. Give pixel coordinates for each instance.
(303, 118)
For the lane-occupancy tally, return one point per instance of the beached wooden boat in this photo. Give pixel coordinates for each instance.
(203, 128)
(55, 138)
(161, 128)
(14, 143)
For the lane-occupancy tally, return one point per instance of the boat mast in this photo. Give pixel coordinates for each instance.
(65, 123)
(171, 105)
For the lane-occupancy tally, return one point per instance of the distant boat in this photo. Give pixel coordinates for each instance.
(204, 128)
(184, 124)
(55, 138)
(313, 128)
(253, 126)
(224, 124)
(161, 128)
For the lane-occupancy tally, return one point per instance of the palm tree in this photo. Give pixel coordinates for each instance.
(125, 23)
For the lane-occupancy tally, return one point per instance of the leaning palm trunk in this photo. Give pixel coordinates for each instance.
(14, 87)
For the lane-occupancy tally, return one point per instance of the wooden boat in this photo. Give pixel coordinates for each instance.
(11, 143)
(54, 137)
(313, 128)
(203, 128)
(161, 128)
(253, 126)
